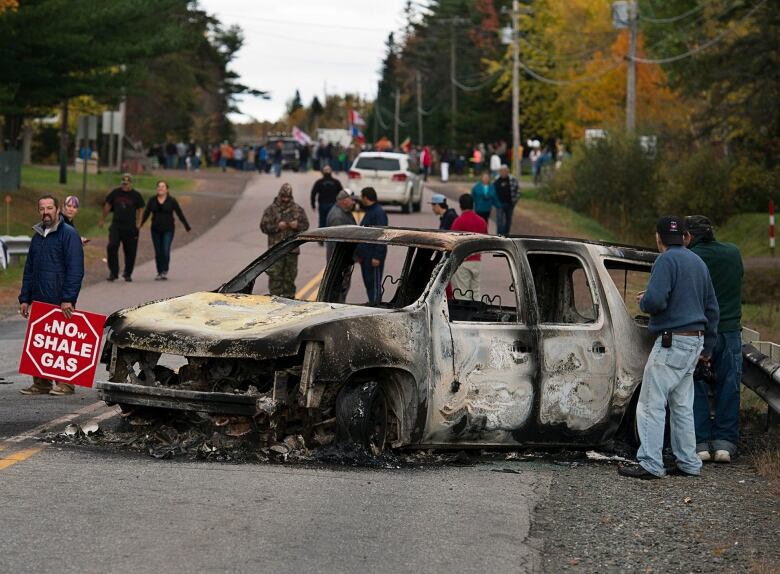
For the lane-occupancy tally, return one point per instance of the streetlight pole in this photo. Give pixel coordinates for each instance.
(515, 92)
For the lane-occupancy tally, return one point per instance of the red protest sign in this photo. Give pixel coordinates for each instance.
(61, 349)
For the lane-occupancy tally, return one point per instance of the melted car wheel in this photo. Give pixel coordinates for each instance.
(361, 412)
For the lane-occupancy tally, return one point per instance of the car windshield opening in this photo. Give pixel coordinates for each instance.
(401, 277)
(378, 163)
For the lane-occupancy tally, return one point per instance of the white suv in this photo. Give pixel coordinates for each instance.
(390, 175)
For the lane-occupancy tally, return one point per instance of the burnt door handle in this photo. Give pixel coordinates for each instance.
(599, 348)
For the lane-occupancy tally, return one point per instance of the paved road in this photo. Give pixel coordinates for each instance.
(78, 509)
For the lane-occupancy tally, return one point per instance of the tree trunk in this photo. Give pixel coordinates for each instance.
(12, 130)
(64, 143)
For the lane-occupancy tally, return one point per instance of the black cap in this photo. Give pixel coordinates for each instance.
(698, 224)
(671, 229)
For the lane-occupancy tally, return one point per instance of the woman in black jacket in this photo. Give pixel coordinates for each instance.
(162, 207)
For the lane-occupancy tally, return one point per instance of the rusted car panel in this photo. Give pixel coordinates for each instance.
(560, 370)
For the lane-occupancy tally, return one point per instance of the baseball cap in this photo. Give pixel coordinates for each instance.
(671, 229)
(438, 198)
(127, 177)
(343, 194)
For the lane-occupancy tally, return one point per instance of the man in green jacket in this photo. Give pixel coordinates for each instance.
(717, 433)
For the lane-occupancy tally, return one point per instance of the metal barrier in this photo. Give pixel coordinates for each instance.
(16, 246)
(761, 372)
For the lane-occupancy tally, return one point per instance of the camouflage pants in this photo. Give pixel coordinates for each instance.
(281, 276)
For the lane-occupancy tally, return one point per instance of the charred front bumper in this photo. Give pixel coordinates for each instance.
(179, 399)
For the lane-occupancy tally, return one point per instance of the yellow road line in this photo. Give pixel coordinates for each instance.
(313, 282)
(19, 456)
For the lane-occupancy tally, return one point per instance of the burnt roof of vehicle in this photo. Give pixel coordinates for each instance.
(433, 238)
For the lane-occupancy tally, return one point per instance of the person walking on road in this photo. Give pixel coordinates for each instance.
(281, 220)
(507, 189)
(465, 281)
(126, 204)
(162, 207)
(278, 157)
(426, 159)
(447, 215)
(683, 313)
(325, 192)
(341, 214)
(484, 194)
(717, 438)
(53, 272)
(495, 164)
(371, 257)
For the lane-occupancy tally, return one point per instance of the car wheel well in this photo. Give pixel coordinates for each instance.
(400, 390)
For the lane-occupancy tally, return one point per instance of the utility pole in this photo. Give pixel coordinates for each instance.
(397, 118)
(454, 88)
(631, 75)
(515, 91)
(419, 109)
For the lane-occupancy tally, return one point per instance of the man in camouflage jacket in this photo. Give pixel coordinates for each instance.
(281, 220)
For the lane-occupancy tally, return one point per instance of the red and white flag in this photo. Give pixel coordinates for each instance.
(356, 119)
(301, 136)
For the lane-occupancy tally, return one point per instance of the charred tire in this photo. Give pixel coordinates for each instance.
(407, 207)
(417, 206)
(361, 415)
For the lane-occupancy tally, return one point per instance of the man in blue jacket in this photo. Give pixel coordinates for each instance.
(52, 274)
(371, 256)
(684, 315)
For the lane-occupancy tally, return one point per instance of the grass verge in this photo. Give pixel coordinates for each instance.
(748, 231)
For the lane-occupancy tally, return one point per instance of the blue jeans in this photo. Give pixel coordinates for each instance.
(162, 249)
(324, 209)
(720, 432)
(372, 279)
(277, 169)
(504, 218)
(668, 379)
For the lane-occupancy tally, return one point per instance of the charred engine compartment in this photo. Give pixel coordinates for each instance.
(240, 395)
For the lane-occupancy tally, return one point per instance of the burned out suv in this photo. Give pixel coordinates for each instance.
(547, 349)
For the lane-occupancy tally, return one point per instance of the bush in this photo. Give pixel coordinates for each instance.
(753, 186)
(698, 184)
(614, 181)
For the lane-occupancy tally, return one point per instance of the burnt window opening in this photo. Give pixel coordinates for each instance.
(483, 290)
(406, 275)
(563, 289)
(630, 279)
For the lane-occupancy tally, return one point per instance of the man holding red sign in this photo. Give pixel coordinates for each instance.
(53, 274)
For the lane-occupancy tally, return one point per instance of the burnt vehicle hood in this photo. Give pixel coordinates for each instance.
(231, 325)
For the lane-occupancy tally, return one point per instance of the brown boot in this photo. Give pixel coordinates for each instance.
(61, 389)
(39, 387)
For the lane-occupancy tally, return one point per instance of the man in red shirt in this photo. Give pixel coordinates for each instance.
(465, 281)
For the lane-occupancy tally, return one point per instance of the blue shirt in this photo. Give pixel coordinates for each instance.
(375, 216)
(680, 296)
(485, 197)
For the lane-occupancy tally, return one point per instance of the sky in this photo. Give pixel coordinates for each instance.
(309, 45)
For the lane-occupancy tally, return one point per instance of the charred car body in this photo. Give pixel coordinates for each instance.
(547, 351)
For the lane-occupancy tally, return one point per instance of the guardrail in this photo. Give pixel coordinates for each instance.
(16, 246)
(761, 372)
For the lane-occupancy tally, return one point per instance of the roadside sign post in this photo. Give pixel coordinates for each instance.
(61, 349)
(8, 200)
(772, 226)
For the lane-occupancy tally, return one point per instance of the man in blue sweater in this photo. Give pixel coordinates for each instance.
(684, 315)
(53, 273)
(371, 256)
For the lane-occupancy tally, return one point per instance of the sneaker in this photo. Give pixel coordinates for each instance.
(677, 471)
(722, 456)
(128, 279)
(163, 276)
(159, 277)
(636, 471)
(35, 390)
(111, 278)
(61, 390)
(704, 455)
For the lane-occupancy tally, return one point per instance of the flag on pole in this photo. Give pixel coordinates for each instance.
(356, 119)
(406, 145)
(357, 134)
(301, 136)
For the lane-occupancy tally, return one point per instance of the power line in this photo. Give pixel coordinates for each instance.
(319, 25)
(581, 79)
(673, 19)
(479, 86)
(701, 47)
